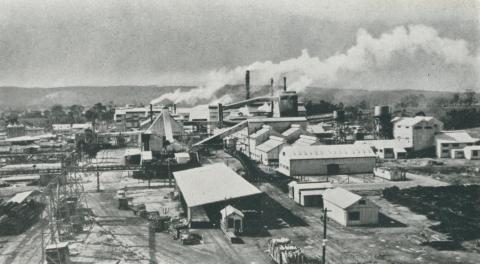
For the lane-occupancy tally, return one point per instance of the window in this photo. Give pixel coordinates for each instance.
(455, 145)
(445, 145)
(445, 151)
(418, 127)
(353, 216)
(283, 153)
(428, 127)
(399, 126)
(475, 153)
(362, 202)
(407, 127)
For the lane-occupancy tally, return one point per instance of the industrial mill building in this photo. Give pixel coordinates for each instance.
(326, 160)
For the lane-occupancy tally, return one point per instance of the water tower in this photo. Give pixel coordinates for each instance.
(339, 118)
(383, 123)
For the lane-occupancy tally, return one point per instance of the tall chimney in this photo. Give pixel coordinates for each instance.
(247, 84)
(151, 114)
(284, 84)
(271, 86)
(220, 115)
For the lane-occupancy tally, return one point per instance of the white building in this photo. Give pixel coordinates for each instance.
(304, 140)
(349, 209)
(70, 128)
(418, 132)
(450, 144)
(388, 148)
(326, 160)
(269, 151)
(61, 128)
(210, 184)
(308, 193)
(293, 133)
(130, 117)
(182, 157)
(258, 138)
(472, 152)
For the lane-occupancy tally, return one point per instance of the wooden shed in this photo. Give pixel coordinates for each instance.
(349, 209)
(231, 220)
(308, 193)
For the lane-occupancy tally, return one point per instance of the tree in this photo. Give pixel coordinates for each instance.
(410, 100)
(121, 140)
(57, 113)
(75, 113)
(469, 98)
(87, 142)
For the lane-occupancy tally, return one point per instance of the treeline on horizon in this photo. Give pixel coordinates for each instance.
(459, 110)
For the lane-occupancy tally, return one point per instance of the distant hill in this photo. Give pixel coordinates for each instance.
(352, 97)
(41, 98)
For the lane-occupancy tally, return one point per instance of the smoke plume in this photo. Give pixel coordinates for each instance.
(369, 54)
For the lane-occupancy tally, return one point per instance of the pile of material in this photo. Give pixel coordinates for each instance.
(283, 252)
(17, 217)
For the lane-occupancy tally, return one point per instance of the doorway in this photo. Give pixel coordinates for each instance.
(333, 169)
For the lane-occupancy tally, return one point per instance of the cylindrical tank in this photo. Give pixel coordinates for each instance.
(381, 110)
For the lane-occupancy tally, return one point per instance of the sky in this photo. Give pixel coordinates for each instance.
(210, 43)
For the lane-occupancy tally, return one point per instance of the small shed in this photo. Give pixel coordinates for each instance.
(349, 209)
(472, 152)
(308, 193)
(392, 174)
(146, 156)
(182, 157)
(57, 253)
(231, 220)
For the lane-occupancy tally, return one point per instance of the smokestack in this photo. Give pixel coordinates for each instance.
(271, 86)
(220, 115)
(151, 114)
(174, 109)
(247, 84)
(284, 84)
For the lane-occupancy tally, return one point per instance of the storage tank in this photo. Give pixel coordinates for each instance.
(381, 110)
(288, 104)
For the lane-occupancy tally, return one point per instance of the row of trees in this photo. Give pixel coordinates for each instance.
(59, 114)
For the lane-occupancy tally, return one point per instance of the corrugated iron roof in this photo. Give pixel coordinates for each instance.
(20, 197)
(212, 183)
(341, 197)
(328, 151)
(411, 121)
(460, 136)
(270, 144)
(229, 210)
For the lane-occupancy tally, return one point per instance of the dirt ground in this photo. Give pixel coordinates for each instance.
(452, 171)
(119, 236)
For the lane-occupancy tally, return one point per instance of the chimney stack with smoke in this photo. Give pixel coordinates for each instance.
(151, 114)
(284, 84)
(271, 86)
(247, 84)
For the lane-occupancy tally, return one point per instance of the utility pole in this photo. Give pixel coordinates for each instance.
(98, 181)
(324, 242)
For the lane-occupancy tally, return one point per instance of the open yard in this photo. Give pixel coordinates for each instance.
(119, 236)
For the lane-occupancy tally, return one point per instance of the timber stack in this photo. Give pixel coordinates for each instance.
(17, 217)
